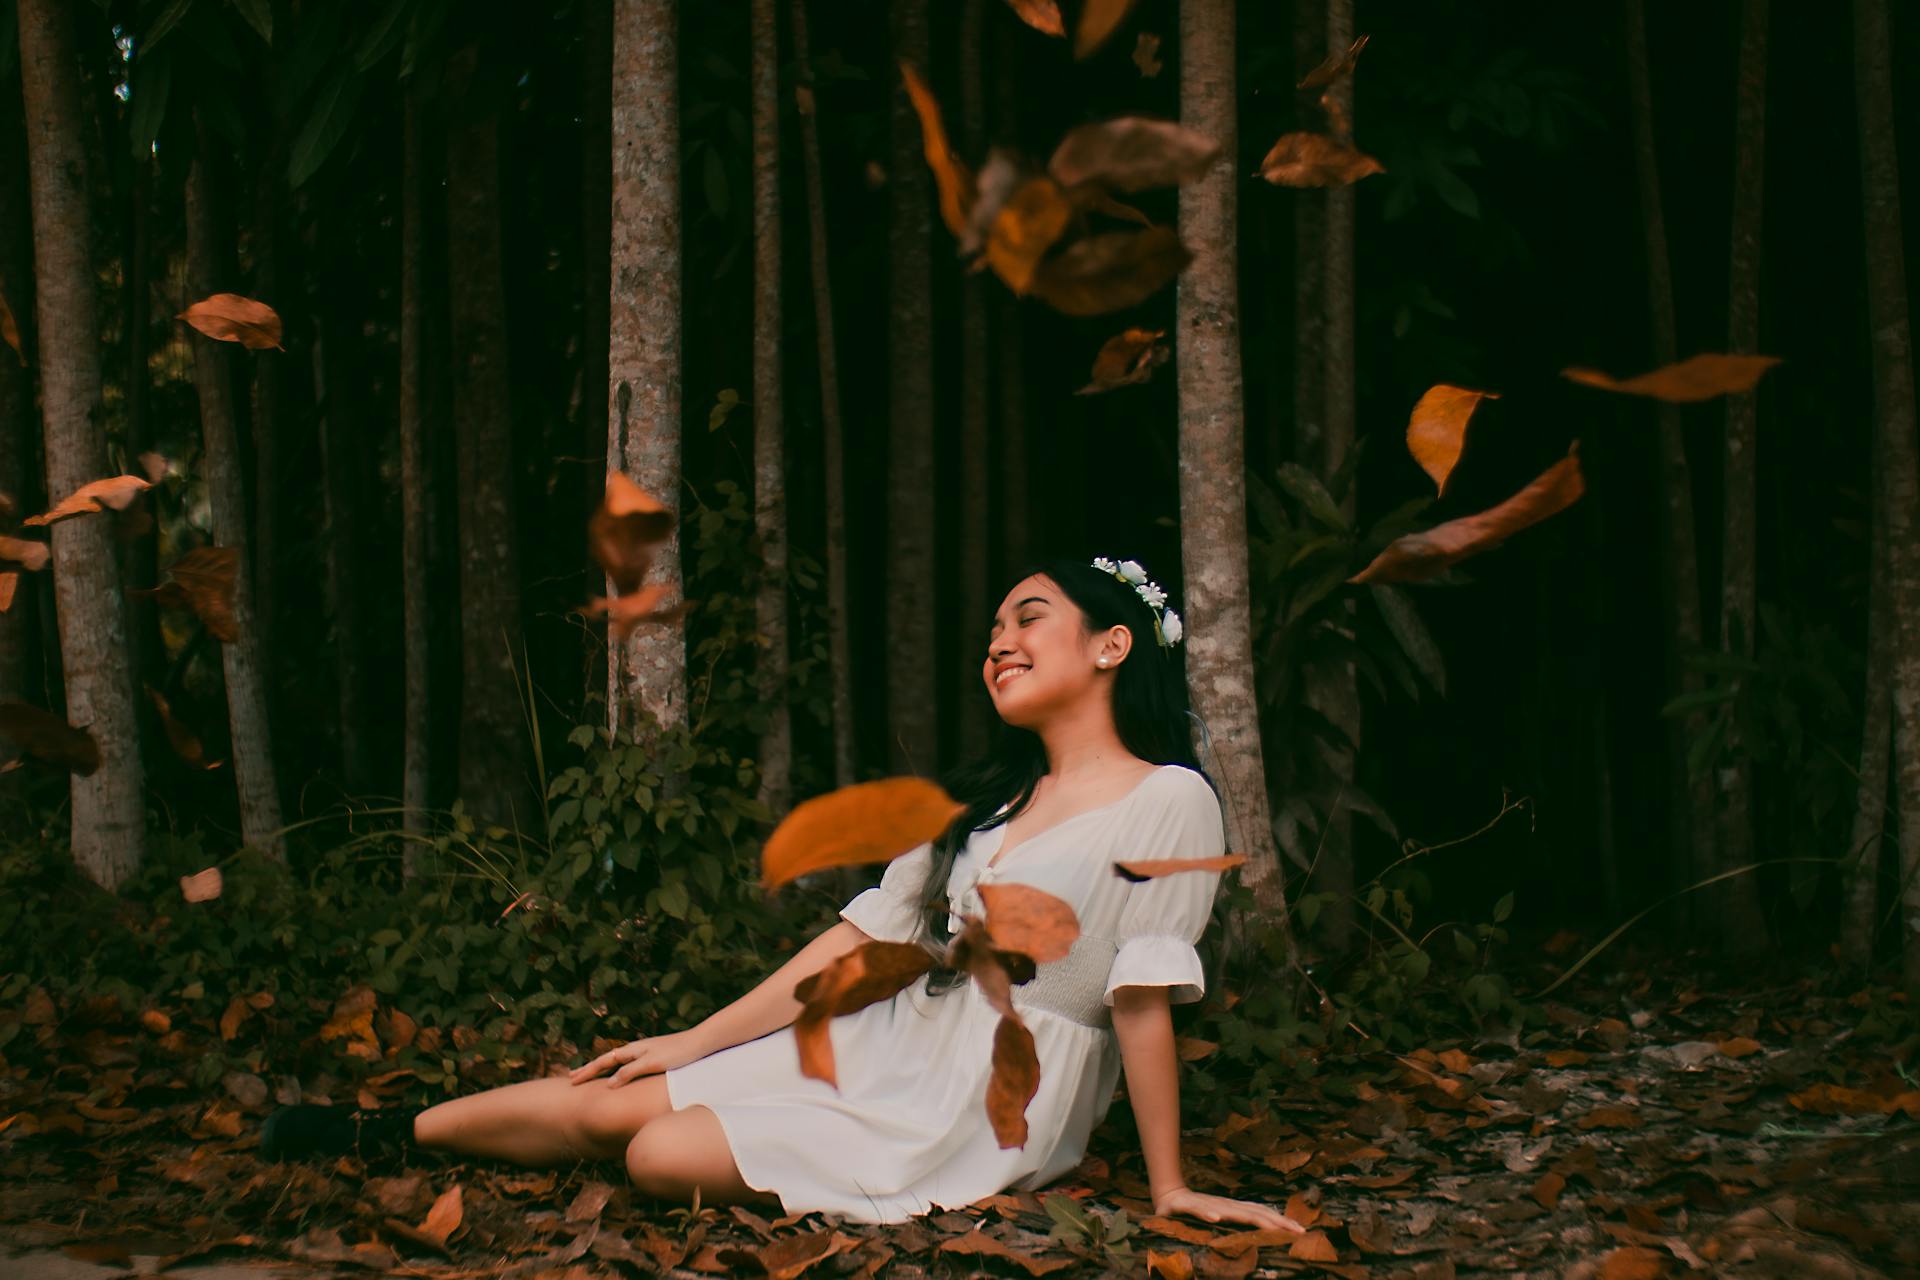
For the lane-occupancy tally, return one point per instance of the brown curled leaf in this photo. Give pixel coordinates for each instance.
(1127, 359)
(1437, 429)
(1137, 869)
(1133, 153)
(1697, 378)
(1110, 270)
(1335, 66)
(1418, 556)
(950, 173)
(114, 493)
(1029, 921)
(45, 736)
(1304, 159)
(866, 822)
(230, 317)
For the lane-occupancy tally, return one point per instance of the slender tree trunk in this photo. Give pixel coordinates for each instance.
(596, 214)
(242, 659)
(108, 818)
(975, 706)
(269, 399)
(1742, 924)
(845, 770)
(493, 728)
(140, 557)
(1690, 801)
(912, 647)
(649, 675)
(769, 424)
(1860, 877)
(1896, 454)
(1010, 360)
(18, 622)
(1213, 504)
(415, 501)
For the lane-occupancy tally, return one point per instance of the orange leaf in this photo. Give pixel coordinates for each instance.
(1042, 15)
(1110, 270)
(1030, 921)
(1169, 1266)
(1696, 378)
(9, 581)
(1316, 160)
(182, 739)
(206, 575)
(626, 530)
(1610, 1118)
(443, 1219)
(236, 1013)
(980, 1244)
(201, 886)
(624, 613)
(1241, 1242)
(25, 552)
(1314, 1247)
(232, 318)
(1146, 54)
(1098, 21)
(1547, 1190)
(1191, 1049)
(1151, 868)
(1416, 556)
(1438, 428)
(1739, 1047)
(1633, 1263)
(1558, 1058)
(114, 492)
(950, 173)
(865, 822)
(10, 331)
(156, 1021)
(1132, 153)
(1015, 1079)
(45, 736)
(869, 973)
(1126, 359)
(1335, 66)
(1033, 218)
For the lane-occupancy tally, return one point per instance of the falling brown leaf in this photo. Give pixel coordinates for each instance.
(9, 582)
(201, 886)
(1015, 1079)
(1033, 218)
(1417, 556)
(1042, 15)
(45, 736)
(1005, 169)
(115, 492)
(1098, 21)
(206, 578)
(1030, 921)
(625, 532)
(184, 742)
(232, 318)
(1149, 868)
(1696, 378)
(1303, 159)
(1191, 1049)
(865, 822)
(1088, 198)
(156, 465)
(1110, 270)
(1146, 54)
(871, 972)
(950, 173)
(1127, 359)
(1132, 153)
(1334, 67)
(25, 552)
(10, 331)
(624, 613)
(1437, 429)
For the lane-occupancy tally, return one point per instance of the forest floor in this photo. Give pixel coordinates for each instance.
(1656, 1128)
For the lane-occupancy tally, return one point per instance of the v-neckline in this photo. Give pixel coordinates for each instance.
(994, 861)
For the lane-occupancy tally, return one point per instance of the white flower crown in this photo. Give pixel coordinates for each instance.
(1167, 628)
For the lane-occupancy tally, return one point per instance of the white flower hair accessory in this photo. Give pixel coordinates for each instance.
(1167, 628)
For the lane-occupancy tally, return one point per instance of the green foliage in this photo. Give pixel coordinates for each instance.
(1099, 1233)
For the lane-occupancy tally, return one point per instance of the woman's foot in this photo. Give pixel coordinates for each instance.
(306, 1130)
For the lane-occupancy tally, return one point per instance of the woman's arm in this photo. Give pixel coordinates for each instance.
(1143, 1022)
(771, 1005)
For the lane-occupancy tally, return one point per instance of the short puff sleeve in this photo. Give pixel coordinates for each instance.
(1164, 917)
(890, 911)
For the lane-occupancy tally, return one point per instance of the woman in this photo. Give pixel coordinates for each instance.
(1091, 762)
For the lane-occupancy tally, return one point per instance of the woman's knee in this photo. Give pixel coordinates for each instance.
(651, 1165)
(607, 1119)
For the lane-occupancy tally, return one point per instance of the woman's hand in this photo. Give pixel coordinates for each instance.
(644, 1056)
(1221, 1209)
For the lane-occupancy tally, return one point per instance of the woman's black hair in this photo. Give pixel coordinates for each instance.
(1150, 713)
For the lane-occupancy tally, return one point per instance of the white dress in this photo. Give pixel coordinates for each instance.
(907, 1130)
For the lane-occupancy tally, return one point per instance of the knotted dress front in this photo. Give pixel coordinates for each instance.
(907, 1130)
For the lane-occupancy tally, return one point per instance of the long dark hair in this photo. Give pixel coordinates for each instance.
(1150, 713)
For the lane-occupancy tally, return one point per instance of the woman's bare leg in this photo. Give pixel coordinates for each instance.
(544, 1122)
(685, 1149)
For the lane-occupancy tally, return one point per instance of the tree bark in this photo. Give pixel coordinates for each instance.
(838, 647)
(108, 818)
(649, 672)
(913, 650)
(1860, 877)
(596, 228)
(493, 728)
(269, 398)
(1690, 800)
(1213, 504)
(1742, 924)
(415, 502)
(19, 622)
(242, 660)
(1896, 454)
(769, 424)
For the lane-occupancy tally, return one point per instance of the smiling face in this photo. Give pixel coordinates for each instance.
(1040, 658)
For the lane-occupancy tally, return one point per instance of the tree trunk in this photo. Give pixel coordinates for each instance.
(649, 672)
(108, 818)
(1690, 802)
(1860, 877)
(140, 559)
(269, 398)
(242, 660)
(1741, 923)
(1896, 454)
(415, 502)
(493, 728)
(845, 770)
(975, 706)
(596, 213)
(1010, 353)
(769, 426)
(18, 622)
(1213, 504)
(913, 650)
